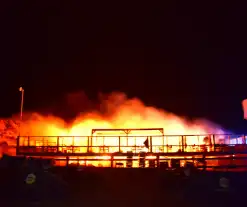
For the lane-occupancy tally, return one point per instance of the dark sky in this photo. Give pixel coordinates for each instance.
(188, 57)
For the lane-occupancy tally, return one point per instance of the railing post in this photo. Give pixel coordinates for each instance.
(88, 144)
(43, 145)
(91, 143)
(73, 144)
(182, 143)
(151, 144)
(112, 158)
(17, 145)
(166, 144)
(57, 144)
(158, 161)
(119, 144)
(213, 136)
(67, 161)
(163, 143)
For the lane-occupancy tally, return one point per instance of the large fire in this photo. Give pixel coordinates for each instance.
(119, 112)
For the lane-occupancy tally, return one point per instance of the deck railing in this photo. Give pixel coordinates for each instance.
(135, 144)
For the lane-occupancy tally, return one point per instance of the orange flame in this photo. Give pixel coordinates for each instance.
(121, 113)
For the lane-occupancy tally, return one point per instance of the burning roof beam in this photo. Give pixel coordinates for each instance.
(127, 131)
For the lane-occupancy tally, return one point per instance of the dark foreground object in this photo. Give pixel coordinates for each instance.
(26, 182)
(91, 187)
(154, 187)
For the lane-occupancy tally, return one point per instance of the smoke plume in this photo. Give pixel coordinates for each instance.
(114, 111)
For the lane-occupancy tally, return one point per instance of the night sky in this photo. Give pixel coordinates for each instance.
(187, 57)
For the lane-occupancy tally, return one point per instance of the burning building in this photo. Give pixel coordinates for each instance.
(130, 134)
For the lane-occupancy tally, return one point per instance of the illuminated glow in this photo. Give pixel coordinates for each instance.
(122, 113)
(244, 105)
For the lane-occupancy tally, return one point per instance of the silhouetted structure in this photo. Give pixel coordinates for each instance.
(28, 180)
(122, 148)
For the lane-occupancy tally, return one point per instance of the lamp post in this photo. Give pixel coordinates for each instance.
(21, 112)
(22, 99)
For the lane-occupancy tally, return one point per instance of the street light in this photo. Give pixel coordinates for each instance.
(22, 100)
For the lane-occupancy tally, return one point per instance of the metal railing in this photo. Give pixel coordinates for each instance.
(135, 144)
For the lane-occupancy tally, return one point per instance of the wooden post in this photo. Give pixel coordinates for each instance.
(119, 144)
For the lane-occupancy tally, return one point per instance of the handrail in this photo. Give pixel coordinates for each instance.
(156, 143)
(166, 139)
(164, 135)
